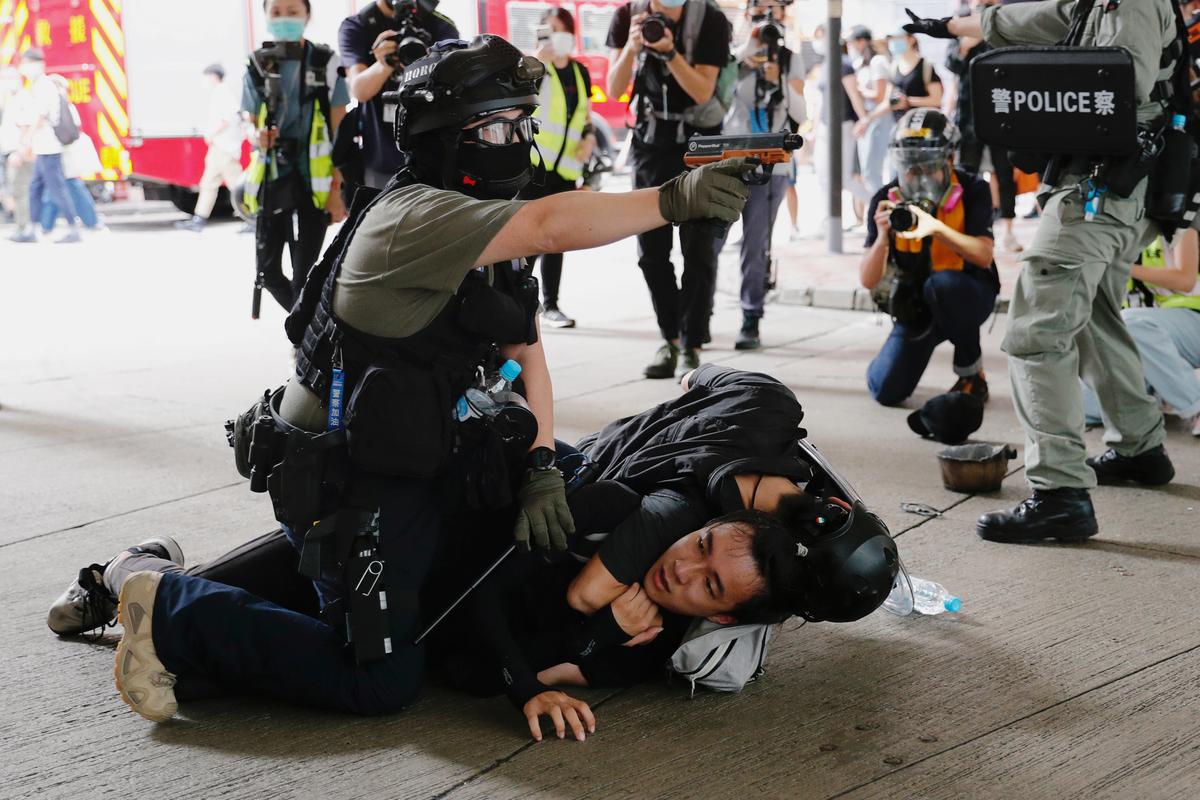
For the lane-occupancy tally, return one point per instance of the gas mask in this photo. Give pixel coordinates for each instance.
(923, 176)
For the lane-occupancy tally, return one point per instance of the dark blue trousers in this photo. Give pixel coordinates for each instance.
(960, 303)
(48, 177)
(219, 639)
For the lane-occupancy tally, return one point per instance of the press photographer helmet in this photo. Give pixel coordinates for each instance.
(456, 84)
(921, 148)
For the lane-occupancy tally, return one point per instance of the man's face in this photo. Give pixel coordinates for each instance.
(706, 573)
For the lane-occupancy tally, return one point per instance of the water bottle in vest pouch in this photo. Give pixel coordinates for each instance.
(1078, 100)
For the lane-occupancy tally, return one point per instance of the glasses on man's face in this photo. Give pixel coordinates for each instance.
(500, 132)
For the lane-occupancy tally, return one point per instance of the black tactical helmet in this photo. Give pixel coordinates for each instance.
(459, 81)
(851, 567)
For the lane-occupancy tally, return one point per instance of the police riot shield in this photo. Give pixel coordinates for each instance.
(1077, 100)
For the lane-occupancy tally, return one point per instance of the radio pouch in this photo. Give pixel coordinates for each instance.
(398, 420)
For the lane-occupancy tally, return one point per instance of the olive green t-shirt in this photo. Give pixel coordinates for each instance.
(403, 265)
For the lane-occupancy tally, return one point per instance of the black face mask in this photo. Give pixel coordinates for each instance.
(493, 173)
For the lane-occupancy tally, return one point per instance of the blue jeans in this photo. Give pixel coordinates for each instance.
(960, 303)
(1168, 340)
(219, 639)
(82, 199)
(758, 221)
(48, 177)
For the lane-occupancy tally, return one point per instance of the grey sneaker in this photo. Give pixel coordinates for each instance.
(663, 365)
(143, 681)
(689, 360)
(194, 224)
(70, 237)
(89, 603)
(557, 319)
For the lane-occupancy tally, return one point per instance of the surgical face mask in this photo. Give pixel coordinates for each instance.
(493, 173)
(562, 43)
(897, 47)
(671, 3)
(286, 29)
(32, 70)
(819, 46)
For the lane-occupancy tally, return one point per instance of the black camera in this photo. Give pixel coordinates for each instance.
(902, 219)
(414, 40)
(654, 28)
(771, 34)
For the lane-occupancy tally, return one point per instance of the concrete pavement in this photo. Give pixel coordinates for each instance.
(1069, 673)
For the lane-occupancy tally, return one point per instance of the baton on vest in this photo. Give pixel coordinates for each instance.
(763, 149)
(587, 473)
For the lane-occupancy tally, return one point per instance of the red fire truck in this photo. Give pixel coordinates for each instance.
(134, 67)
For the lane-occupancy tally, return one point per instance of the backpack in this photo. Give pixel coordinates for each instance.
(710, 113)
(66, 128)
(722, 658)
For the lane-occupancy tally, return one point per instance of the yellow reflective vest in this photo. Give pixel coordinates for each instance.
(1154, 257)
(559, 137)
(319, 164)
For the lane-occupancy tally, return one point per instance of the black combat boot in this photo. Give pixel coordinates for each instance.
(1151, 468)
(1063, 514)
(663, 365)
(689, 359)
(747, 338)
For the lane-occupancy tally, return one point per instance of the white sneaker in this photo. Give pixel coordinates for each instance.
(90, 601)
(143, 681)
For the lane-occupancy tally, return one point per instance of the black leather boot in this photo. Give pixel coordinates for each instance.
(1063, 514)
(747, 338)
(663, 365)
(1151, 468)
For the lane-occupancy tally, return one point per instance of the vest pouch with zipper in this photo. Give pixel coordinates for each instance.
(398, 420)
(497, 315)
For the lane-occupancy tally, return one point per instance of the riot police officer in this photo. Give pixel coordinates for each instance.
(1065, 316)
(359, 451)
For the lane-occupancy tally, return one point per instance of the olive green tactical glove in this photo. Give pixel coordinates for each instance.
(544, 513)
(713, 191)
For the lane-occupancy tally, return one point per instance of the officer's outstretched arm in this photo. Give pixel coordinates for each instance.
(579, 220)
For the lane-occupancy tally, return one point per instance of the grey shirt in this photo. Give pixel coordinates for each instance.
(403, 265)
(738, 120)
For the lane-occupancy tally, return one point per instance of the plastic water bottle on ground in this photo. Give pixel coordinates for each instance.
(932, 598)
(927, 597)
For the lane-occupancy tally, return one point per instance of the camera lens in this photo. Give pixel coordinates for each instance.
(410, 49)
(653, 30)
(902, 219)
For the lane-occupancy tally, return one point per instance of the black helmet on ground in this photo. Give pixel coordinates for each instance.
(459, 83)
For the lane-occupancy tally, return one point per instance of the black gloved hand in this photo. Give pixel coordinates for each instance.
(936, 28)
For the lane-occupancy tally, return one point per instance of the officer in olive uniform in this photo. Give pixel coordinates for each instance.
(421, 288)
(1065, 316)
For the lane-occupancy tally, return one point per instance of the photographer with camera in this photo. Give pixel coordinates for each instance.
(376, 44)
(674, 51)
(769, 96)
(929, 260)
(295, 93)
(1097, 213)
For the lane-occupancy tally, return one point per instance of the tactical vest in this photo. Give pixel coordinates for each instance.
(931, 253)
(559, 137)
(1142, 293)
(401, 391)
(318, 160)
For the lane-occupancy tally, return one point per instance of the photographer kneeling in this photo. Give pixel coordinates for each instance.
(936, 276)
